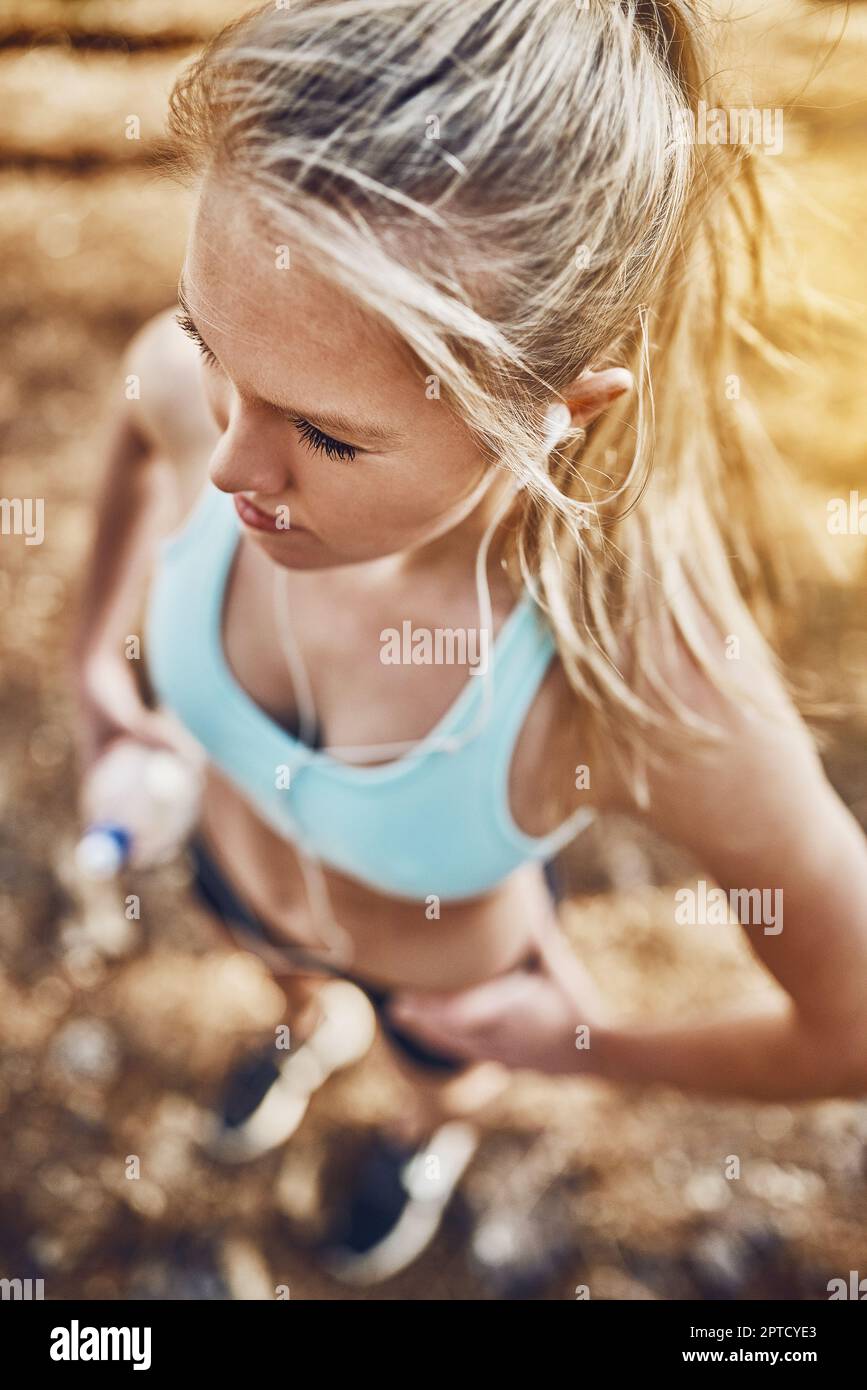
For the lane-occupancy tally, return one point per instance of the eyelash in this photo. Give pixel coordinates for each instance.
(313, 437)
(186, 325)
(323, 443)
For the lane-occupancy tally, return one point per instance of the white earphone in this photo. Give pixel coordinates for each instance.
(558, 419)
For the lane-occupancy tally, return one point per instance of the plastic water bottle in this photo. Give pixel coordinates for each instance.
(140, 804)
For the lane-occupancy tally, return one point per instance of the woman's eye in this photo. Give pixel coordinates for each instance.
(323, 443)
(185, 323)
(313, 437)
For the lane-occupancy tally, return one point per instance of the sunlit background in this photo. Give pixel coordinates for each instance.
(106, 1057)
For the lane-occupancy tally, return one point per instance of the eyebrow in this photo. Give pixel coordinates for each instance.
(373, 431)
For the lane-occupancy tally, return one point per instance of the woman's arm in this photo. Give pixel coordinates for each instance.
(134, 507)
(759, 814)
(767, 1054)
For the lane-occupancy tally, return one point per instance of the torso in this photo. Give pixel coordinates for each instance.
(358, 702)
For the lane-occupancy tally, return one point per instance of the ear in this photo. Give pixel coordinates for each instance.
(593, 392)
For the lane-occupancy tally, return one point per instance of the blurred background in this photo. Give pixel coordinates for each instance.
(108, 1056)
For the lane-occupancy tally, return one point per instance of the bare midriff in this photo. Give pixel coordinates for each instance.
(393, 942)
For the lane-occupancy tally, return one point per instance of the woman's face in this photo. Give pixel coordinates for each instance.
(329, 443)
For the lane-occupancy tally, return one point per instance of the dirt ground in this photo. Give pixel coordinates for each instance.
(620, 1189)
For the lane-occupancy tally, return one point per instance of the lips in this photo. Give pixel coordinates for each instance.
(254, 517)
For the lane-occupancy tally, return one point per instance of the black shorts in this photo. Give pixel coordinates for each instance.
(217, 894)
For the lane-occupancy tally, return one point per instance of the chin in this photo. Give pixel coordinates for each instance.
(302, 550)
(297, 550)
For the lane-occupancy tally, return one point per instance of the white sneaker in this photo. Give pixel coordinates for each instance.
(267, 1096)
(397, 1204)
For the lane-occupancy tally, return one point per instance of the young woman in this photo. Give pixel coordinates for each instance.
(467, 543)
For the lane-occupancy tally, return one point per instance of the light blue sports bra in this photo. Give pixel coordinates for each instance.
(434, 822)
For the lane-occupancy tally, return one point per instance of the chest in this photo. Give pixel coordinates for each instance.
(378, 664)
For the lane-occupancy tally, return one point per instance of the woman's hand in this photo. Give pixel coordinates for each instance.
(111, 707)
(541, 1016)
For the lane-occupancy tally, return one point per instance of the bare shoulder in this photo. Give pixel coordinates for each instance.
(567, 757)
(164, 384)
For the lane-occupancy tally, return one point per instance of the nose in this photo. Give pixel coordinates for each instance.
(250, 455)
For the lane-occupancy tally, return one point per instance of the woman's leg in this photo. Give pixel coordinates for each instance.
(265, 1096)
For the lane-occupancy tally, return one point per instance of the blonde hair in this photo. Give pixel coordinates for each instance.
(507, 184)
